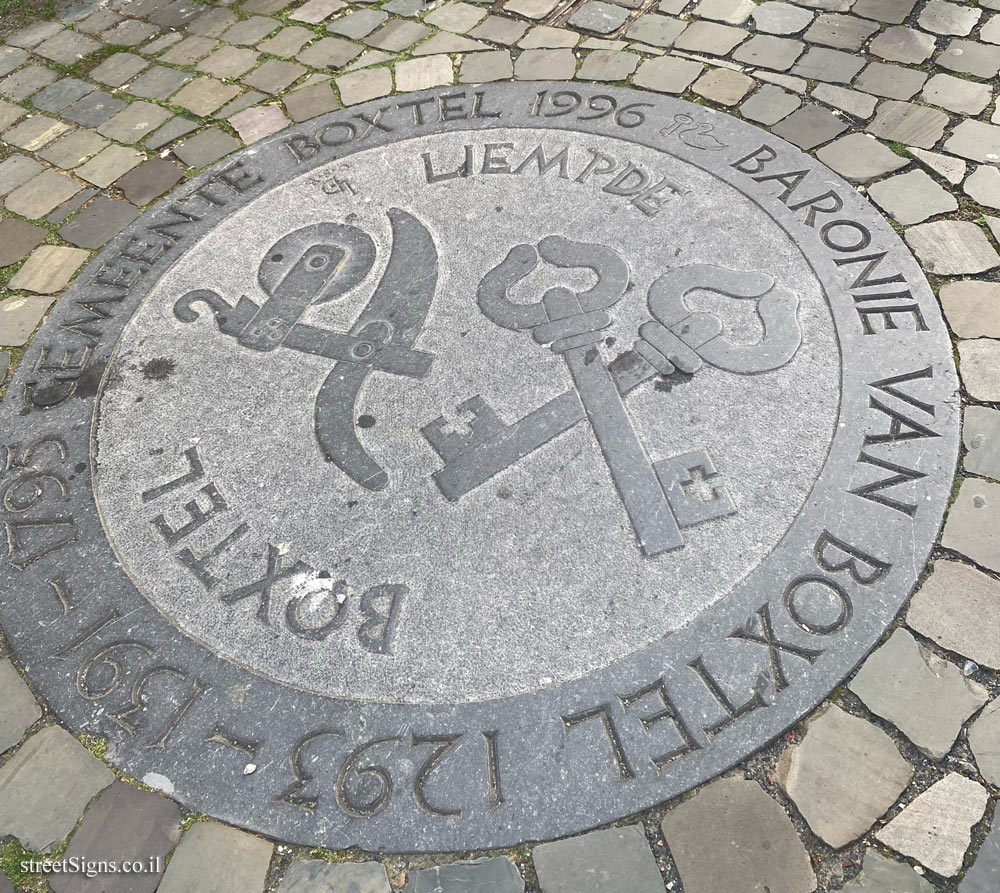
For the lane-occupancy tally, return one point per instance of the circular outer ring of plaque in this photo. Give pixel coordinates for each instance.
(528, 767)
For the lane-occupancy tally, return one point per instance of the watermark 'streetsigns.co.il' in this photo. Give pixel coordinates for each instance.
(473, 466)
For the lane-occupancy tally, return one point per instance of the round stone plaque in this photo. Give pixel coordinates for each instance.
(474, 466)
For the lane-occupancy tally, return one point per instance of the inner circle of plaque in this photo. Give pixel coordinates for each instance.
(538, 568)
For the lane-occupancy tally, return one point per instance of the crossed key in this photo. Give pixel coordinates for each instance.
(675, 338)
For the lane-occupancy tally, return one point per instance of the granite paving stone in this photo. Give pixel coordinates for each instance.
(656, 30)
(912, 197)
(769, 105)
(956, 94)
(212, 23)
(39, 195)
(216, 857)
(66, 47)
(18, 239)
(264, 7)
(667, 74)
(20, 709)
(984, 740)
(108, 165)
(554, 65)
(952, 247)
(9, 113)
(122, 823)
(17, 169)
(924, 696)
(19, 317)
(11, 58)
(329, 52)
(941, 17)
(48, 269)
(118, 69)
(189, 51)
(973, 524)
(488, 875)
(457, 17)
(990, 32)
(542, 37)
(62, 93)
(599, 17)
(833, 66)
(174, 129)
(841, 32)
(249, 31)
(958, 606)
(732, 836)
(98, 22)
(309, 102)
(607, 65)
(287, 42)
(843, 775)
(159, 82)
(976, 141)
(597, 861)
(315, 876)
(773, 17)
(444, 42)
(397, 35)
(891, 81)
(407, 7)
(983, 186)
(969, 57)
(134, 121)
(73, 149)
(274, 76)
(424, 73)
(129, 33)
(26, 81)
(202, 96)
(161, 44)
(902, 44)
(34, 132)
(498, 29)
(860, 105)
(94, 109)
(45, 786)
(984, 876)
(731, 12)
(99, 222)
(972, 308)
(935, 829)
(255, 123)
(205, 147)
(482, 68)
(34, 34)
(531, 9)
(240, 103)
(356, 25)
(981, 435)
(710, 37)
(778, 53)
(908, 123)
(149, 180)
(228, 62)
(880, 874)
(809, 127)
(723, 86)
(360, 86)
(315, 11)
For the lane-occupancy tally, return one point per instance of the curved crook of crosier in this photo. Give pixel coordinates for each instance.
(497, 283)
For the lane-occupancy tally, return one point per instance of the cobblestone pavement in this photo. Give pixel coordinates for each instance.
(892, 784)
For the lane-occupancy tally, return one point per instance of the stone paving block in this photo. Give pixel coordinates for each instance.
(66, 48)
(315, 11)
(732, 836)
(984, 876)
(498, 29)
(108, 165)
(723, 86)
(542, 37)
(952, 169)
(118, 69)
(984, 739)
(212, 23)
(240, 103)
(891, 81)
(443, 42)
(99, 222)
(123, 824)
(11, 58)
(952, 247)
(20, 709)
(265, 7)
(912, 197)
(16, 170)
(597, 862)
(204, 148)
(489, 875)
(973, 524)
(860, 105)
(159, 82)
(329, 52)
(667, 74)
(228, 62)
(407, 7)
(49, 269)
(531, 9)
(34, 132)
(924, 696)
(969, 57)
(958, 606)
(424, 73)
(255, 123)
(216, 857)
(134, 121)
(778, 53)
(541, 65)
(315, 876)
(397, 35)
(94, 109)
(843, 775)
(956, 94)
(935, 828)
(773, 17)
(769, 105)
(607, 65)
(18, 239)
(832, 66)
(26, 81)
(34, 34)
(809, 126)
(879, 874)
(656, 30)
(941, 17)
(9, 113)
(482, 68)
(39, 195)
(202, 96)
(287, 42)
(983, 186)
(972, 309)
(174, 129)
(457, 17)
(73, 149)
(45, 786)
(249, 31)
(731, 12)
(149, 180)
(976, 141)
(840, 31)
(62, 93)
(274, 76)
(129, 33)
(309, 102)
(908, 123)
(599, 17)
(901, 44)
(189, 51)
(19, 317)
(162, 43)
(360, 86)
(891, 12)
(710, 37)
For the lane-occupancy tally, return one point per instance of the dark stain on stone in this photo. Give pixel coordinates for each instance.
(610, 342)
(505, 492)
(625, 361)
(351, 503)
(158, 368)
(158, 451)
(80, 467)
(90, 381)
(591, 355)
(366, 421)
(666, 383)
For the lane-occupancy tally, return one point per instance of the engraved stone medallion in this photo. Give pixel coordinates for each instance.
(473, 466)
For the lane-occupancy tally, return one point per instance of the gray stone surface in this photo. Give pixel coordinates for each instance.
(891, 81)
(149, 180)
(216, 857)
(254, 124)
(596, 862)
(941, 17)
(66, 47)
(17, 170)
(249, 31)
(159, 82)
(99, 222)
(205, 147)
(710, 37)
(599, 17)
(360, 86)
(809, 127)
(480, 68)
(73, 148)
(976, 141)
(769, 105)
(908, 123)
(901, 44)
(544, 37)
(950, 168)
(912, 197)
(842, 32)
(981, 433)
(892, 12)
(880, 874)
(952, 247)
(356, 25)
(329, 52)
(190, 50)
(723, 86)
(26, 81)
(287, 42)
(843, 775)
(935, 828)
(984, 876)
(41, 194)
(228, 62)
(45, 786)
(732, 836)
(18, 238)
(134, 121)
(656, 30)
(499, 875)
(732, 12)
(860, 158)
(94, 109)
(984, 739)
(62, 93)
(397, 35)
(20, 316)
(20, 709)
(778, 53)
(202, 96)
(48, 269)
(499, 29)
(308, 102)
(118, 69)
(956, 94)
(174, 129)
(607, 65)
(667, 75)
(11, 58)
(536, 65)
(832, 66)
(983, 186)
(456, 17)
(972, 527)
(968, 57)
(109, 164)
(958, 606)
(274, 76)
(315, 876)
(35, 34)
